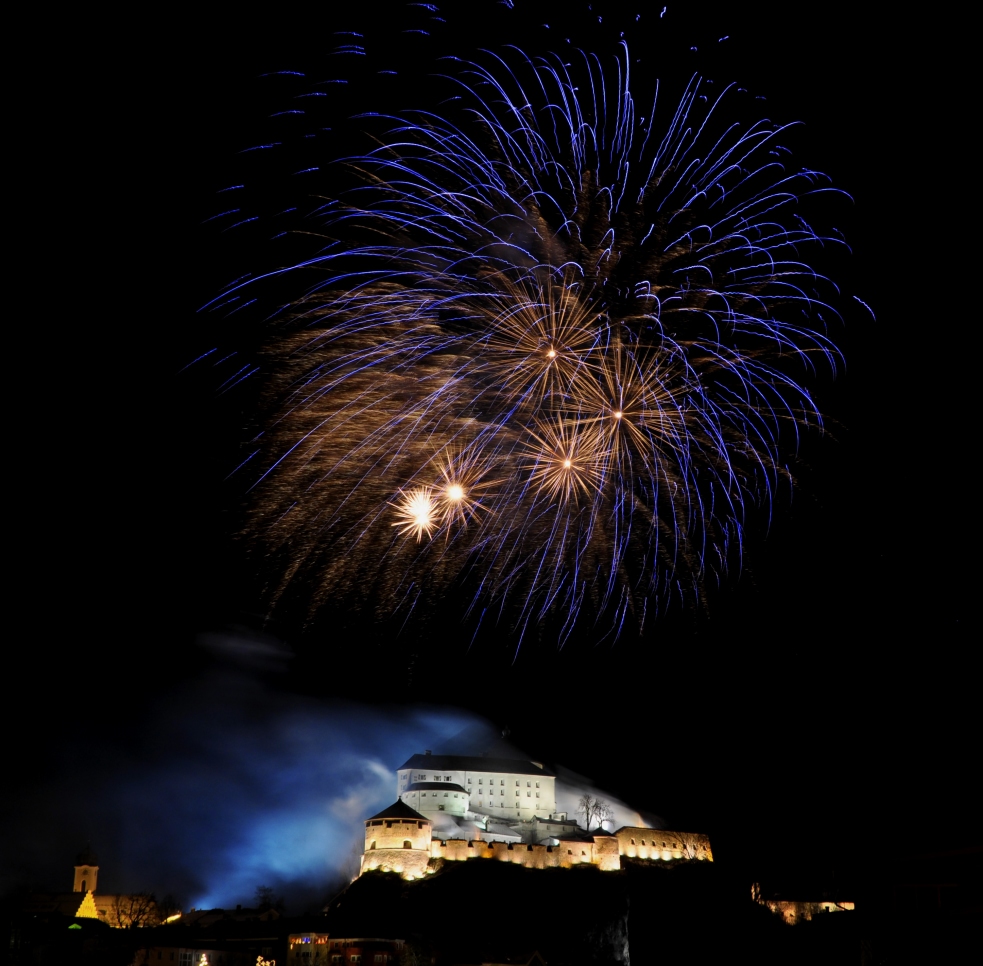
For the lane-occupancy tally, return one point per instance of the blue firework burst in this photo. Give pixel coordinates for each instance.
(550, 357)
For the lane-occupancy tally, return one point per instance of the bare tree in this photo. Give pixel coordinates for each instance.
(595, 810)
(134, 911)
(267, 900)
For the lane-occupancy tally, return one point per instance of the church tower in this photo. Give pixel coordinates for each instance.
(86, 871)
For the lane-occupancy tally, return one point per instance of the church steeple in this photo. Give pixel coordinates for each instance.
(86, 871)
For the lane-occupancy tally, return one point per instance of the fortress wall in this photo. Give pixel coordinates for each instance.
(662, 844)
(409, 863)
(390, 853)
(390, 833)
(529, 856)
(793, 912)
(607, 854)
(457, 850)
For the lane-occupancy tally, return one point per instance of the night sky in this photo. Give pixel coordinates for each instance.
(819, 718)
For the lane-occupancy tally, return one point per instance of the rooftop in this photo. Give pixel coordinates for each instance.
(477, 763)
(436, 786)
(400, 810)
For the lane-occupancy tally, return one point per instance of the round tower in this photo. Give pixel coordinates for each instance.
(86, 871)
(397, 840)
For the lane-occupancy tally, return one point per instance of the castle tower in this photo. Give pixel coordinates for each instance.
(86, 871)
(398, 839)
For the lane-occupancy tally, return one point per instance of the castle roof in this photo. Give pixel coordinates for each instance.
(436, 786)
(513, 766)
(399, 809)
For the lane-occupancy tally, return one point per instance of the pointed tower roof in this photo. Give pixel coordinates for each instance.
(86, 857)
(400, 810)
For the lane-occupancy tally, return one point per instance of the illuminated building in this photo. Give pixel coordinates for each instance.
(83, 902)
(322, 949)
(457, 807)
(499, 788)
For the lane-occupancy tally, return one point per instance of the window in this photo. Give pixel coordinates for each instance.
(517, 793)
(447, 778)
(423, 778)
(445, 795)
(632, 841)
(355, 958)
(407, 844)
(372, 846)
(436, 778)
(501, 781)
(516, 784)
(380, 958)
(480, 780)
(528, 794)
(537, 794)
(537, 784)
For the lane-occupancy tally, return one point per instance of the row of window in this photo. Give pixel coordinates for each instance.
(447, 778)
(653, 842)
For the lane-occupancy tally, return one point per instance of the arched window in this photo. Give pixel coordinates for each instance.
(407, 844)
(372, 846)
(83, 886)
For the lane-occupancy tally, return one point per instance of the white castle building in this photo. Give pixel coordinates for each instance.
(477, 787)
(459, 807)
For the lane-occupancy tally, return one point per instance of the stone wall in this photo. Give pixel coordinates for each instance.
(662, 844)
(605, 851)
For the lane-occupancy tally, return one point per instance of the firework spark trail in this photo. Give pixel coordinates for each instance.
(547, 357)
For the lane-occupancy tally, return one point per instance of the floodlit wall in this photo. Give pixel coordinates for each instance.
(793, 912)
(407, 849)
(508, 795)
(394, 833)
(602, 852)
(432, 801)
(662, 844)
(397, 845)
(409, 863)
(86, 877)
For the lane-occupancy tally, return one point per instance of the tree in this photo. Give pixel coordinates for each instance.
(595, 810)
(136, 910)
(267, 899)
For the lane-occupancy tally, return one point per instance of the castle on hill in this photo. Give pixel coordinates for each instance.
(460, 807)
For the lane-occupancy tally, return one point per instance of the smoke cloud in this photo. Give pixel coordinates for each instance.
(226, 783)
(222, 786)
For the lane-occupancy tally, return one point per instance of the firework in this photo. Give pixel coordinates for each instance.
(550, 355)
